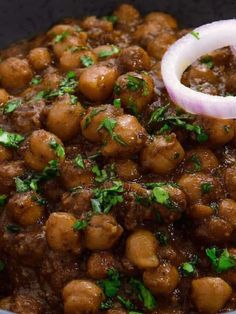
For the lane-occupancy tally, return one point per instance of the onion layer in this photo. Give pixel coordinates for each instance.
(183, 53)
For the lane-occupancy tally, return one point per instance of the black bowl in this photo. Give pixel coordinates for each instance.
(20, 19)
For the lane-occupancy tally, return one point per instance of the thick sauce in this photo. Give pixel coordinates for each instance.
(113, 200)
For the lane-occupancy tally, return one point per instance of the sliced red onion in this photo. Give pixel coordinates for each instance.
(183, 53)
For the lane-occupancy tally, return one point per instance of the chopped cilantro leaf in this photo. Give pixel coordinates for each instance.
(79, 162)
(158, 114)
(195, 34)
(111, 285)
(111, 18)
(117, 89)
(80, 225)
(221, 259)
(3, 199)
(2, 265)
(206, 187)
(197, 165)
(92, 114)
(11, 105)
(106, 304)
(109, 52)
(127, 303)
(117, 102)
(189, 268)
(73, 99)
(12, 228)
(162, 238)
(36, 80)
(101, 175)
(58, 148)
(109, 124)
(144, 294)
(86, 61)
(21, 185)
(11, 140)
(135, 83)
(60, 37)
(40, 201)
(207, 60)
(161, 195)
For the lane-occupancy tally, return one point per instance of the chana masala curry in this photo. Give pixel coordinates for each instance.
(112, 198)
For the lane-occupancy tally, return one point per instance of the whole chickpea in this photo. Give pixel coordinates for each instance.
(102, 232)
(99, 263)
(39, 58)
(127, 16)
(127, 169)
(161, 280)
(134, 58)
(227, 211)
(141, 249)
(72, 59)
(4, 96)
(158, 46)
(230, 182)
(40, 150)
(5, 154)
(60, 234)
(24, 209)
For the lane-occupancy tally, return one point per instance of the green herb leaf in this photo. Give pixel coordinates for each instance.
(206, 187)
(11, 140)
(38, 200)
(106, 304)
(11, 105)
(162, 238)
(60, 37)
(111, 285)
(21, 186)
(144, 294)
(3, 199)
(101, 175)
(73, 99)
(111, 18)
(58, 148)
(158, 114)
(12, 228)
(161, 195)
(189, 268)
(221, 259)
(80, 225)
(135, 83)
(109, 124)
(36, 80)
(2, 265)
(195, 34)
(79, 162)
(117, 102)
(92, 114)
(109, 52)
(86, 61)
(127, 303)
(197, 165)
(207, 60)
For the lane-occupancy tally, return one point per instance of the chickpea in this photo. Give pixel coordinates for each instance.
(227, 211)
(64, 118)
(39, 58)
(73, 176)
(5, 154)
(51, 79)
(99, 263)
(200, 186)
(135, 91)
(141, 249)
(210, 294)
(134, 58)
(82, 296)
(111, 51)
(78, 202)
(23, 304)
(8, 172)
(101, 25)
(15, 73)
(163, 154)
(59, 29)
(4, 96)
(200, 211)
(230, 182)
(200, 159)
(200, 74)
(24, 209)
(161, 280)
(102, 232)
(93, 119)
(127, 169)
(219, 131)
(161, 18)
(127, 16)
(97, 82)
(60, 233)
(158, 46)
(40, 152)
(146, 32)
(72, 59)
(131, 134)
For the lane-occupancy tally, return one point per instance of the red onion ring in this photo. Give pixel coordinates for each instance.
(183, 53)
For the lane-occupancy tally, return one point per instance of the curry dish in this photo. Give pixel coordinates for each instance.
(113, 199)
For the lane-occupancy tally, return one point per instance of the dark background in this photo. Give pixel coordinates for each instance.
(24, 18)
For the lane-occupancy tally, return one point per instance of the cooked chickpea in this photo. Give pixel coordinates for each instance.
(201, 159)
(73, 176)
(64, 118)
(134, 90)
(72, 59)
(39, 58)
(82, 296)
(158, 46)
(127, 169)
(161, 280)
(4, 96)
(210, 294)
(127, 16)
(219, 131)
(60, 234)
(200, 74)
(134, 58)
(99, 263)
(51, 79)
(227, 211)
(5, 154)
(163, 154)
(101, 25)
(93, 119)
(199, 186)
(25, 304)
(39, 151)
(164, 19)
(146, 32)
(230, 182)
(131, 137)
(200, 211)
(97, 82)
(24, 209)
(141, 249)
(15, 73)
(8, 172)
(102, 232)
(105, 52)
